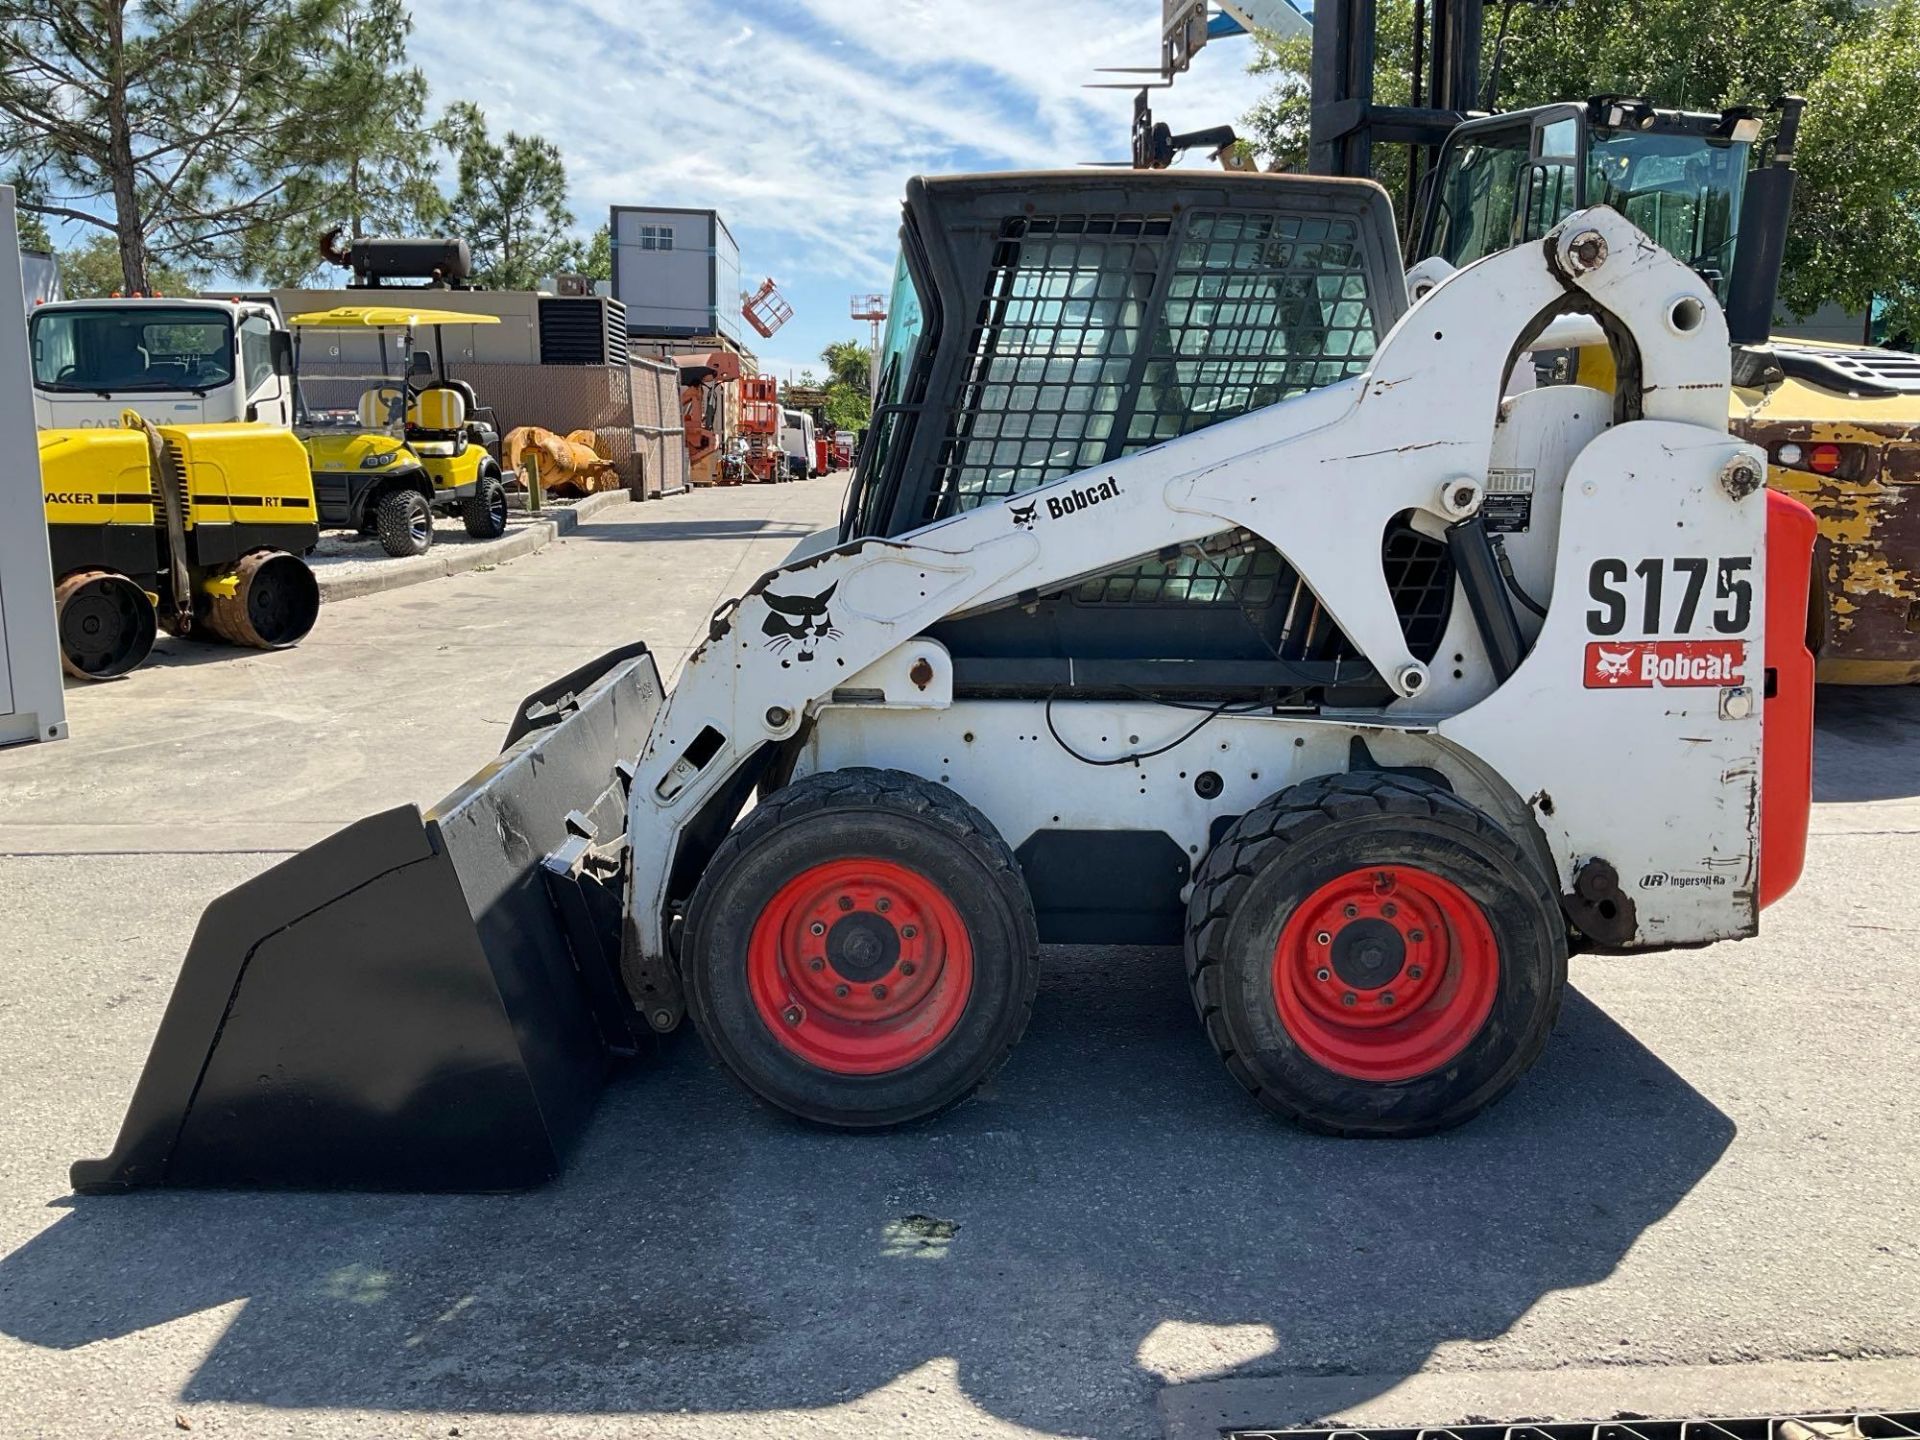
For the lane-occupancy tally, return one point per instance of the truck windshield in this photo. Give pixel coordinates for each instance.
(1683, 190)
(132, 349)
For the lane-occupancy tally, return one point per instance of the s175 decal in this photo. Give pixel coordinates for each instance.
(1659, 595)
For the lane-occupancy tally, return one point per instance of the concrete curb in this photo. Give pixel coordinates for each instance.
(1203, 1410)
(438, 562)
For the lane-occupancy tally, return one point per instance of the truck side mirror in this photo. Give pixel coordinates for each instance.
(280, 348)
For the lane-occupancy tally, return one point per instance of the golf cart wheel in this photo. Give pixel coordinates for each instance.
(274, 603)
(106, 624)
(1371, 955)
(861, 950)
(485, 510)
(404, 522)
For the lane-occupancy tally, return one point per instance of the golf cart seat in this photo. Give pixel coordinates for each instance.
(437, 421)
(377, 405)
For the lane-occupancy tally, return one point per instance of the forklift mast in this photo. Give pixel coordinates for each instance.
(1445, 84)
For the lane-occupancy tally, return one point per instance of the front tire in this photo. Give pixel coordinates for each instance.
(404, 522)
(485, 510)
(1371, 955)
(861, 951)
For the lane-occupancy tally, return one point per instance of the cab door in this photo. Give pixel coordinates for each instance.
(265, 373)
(1504, 181)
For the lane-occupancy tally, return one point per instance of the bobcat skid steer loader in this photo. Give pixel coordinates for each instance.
(1189, 591)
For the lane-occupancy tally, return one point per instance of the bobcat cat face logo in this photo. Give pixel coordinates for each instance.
(799, 620)
(1613, 663)
(1023, 514)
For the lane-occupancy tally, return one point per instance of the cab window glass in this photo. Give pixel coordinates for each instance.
(1683, 191)
(256, 351)
(1478, 193)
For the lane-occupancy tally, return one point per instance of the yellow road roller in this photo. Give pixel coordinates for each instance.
(197, 529)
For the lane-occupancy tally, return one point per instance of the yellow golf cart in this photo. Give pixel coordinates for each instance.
(392, 438)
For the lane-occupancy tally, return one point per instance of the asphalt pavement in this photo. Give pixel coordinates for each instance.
(1713, 1166)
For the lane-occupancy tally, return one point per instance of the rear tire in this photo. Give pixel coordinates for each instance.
(106, 624)
(861, 951)
(1371, 955)
(485, 511)
(404, 522)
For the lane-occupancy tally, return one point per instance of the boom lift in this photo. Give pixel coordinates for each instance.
(1165, 608)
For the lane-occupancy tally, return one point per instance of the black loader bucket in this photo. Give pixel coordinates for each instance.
(420, 1002)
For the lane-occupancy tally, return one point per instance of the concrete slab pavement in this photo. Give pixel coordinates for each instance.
(1715, 1164)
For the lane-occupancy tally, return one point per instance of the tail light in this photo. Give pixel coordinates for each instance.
(1826, 458)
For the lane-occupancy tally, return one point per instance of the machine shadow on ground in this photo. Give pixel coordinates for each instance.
(1111, 1188)
(1860, 747)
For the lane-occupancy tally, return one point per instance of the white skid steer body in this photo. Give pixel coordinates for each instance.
(1597, 747)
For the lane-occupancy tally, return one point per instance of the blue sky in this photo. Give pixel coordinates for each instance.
(800, 120)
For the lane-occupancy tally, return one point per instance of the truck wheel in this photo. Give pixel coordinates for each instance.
(485, 511)
(106, 624)
(1371, 955)
(861, 950)
(404, 522)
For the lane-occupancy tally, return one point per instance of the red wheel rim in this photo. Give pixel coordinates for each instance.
(860, 966)
(1385, 974)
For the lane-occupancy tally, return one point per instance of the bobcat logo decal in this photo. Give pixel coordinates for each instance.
(1023, 514)
(801, 621)
(1612, 663)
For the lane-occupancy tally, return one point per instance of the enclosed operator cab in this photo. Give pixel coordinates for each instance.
(1840, 424)
(175, 362)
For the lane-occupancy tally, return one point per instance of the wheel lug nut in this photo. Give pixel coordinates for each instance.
(906, 967)
(1415, 972)
(1386, 997)
(879, 992)
(1349, 998)
(883, 904)
(1350, 911)
(907, 932)
(840, 991)
(817, 928)
(846, 902)
(1416, 936)
(1323, 974)
(792, 1015)
(816, 963)
(1389, 909)
(1323, 938)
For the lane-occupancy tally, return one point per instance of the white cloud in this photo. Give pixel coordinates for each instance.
(800, 120)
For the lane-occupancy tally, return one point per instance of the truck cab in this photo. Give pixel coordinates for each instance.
(796, 440)
(185, 361)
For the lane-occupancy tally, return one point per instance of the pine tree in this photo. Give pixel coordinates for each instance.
(182, 128)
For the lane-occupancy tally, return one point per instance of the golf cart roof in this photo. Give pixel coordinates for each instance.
(399, 317)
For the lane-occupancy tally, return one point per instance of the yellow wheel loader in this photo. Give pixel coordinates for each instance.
(197, 529)
(1177, 601)
(393, 438)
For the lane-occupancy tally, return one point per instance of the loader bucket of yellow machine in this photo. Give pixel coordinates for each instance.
(419, 1002)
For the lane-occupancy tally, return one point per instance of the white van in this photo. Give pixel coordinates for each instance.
(796, 442)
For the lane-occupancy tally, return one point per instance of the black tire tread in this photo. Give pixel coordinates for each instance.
(475, 512)
(870, 788)
(1282, 821)
(392, 524)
